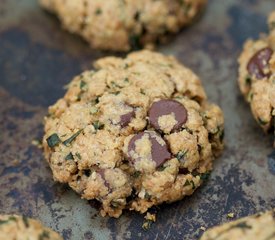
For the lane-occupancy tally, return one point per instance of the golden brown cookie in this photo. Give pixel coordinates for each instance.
(257, 76)
(134, 133)
(259, 227)
(14, 227)
(124, 25)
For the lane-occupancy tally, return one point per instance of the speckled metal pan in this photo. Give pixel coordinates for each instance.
(37, 59)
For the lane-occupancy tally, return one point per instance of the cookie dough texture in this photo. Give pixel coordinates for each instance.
(257, 76)
(14, 227)
(110, 139)
(122, 25)
(260, 226)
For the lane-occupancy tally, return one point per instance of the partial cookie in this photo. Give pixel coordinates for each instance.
(259, 227)
(257, 76)
(124, 25)
(134, 133)
(14, 227)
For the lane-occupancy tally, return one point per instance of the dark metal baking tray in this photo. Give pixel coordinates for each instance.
(37, 58)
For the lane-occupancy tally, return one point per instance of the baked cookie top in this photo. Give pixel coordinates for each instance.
(257, 76)
(124, 25)
(260, 226)
(14, 227)
(134, 133)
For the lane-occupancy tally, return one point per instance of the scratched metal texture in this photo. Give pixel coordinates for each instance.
(37, 58)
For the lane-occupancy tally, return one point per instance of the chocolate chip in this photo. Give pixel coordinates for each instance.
(126, 118)
(167, 107)
(159, 152)
(259, 62)
(101, 172)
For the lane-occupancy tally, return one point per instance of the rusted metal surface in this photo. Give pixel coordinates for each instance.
(37, 59)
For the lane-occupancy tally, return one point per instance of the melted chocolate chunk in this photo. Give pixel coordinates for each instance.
(101, 172)
(258, 64)
(160, 153)
(126, 118)
(167, 107)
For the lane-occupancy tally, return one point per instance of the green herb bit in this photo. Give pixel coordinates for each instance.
(95, 101)
(82, 84)
(181, 155)
(26, 221)
(147, 196)
(116, 93)
(134, 41)
(72, 138)
(142, 91)
(188, 183)
(136, 174)
(78, 155)
(126, 80)
(262, 122)
(161, 168)
(272, 26)
(248, 80)
(115, 204)
(98, 11)
(205, 176)
(44, 235)
(69, 156)
(94, 110)
(53, 140)
(98, 125)
(114, 85)
(12, 218)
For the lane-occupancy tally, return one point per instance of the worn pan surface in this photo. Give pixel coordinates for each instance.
(37, 59)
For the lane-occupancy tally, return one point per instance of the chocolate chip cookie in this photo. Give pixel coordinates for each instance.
(14, 227)
(124, 25)
(257, 76)
(133, 133)
(260, 226)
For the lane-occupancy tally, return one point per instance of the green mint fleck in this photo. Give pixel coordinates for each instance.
(272, 26)
(126, 80)
(69, 156)
(98, 125)
(53, 140)
(181, 155)
(72, 138)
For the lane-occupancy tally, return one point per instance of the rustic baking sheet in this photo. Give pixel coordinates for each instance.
(37, 59)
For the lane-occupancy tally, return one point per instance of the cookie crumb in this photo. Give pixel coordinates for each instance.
(149, 219)
(37, 143)
(230, 215)
(202, 228)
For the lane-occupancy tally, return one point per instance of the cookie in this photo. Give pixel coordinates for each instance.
(14, 227)
(260, 226)
(133, 133)
(257, 76)
(124, 25)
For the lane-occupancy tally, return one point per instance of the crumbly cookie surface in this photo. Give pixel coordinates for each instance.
(14, 227)
(124, 25)
(257, 76)
(260, 226)
(134, 133)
